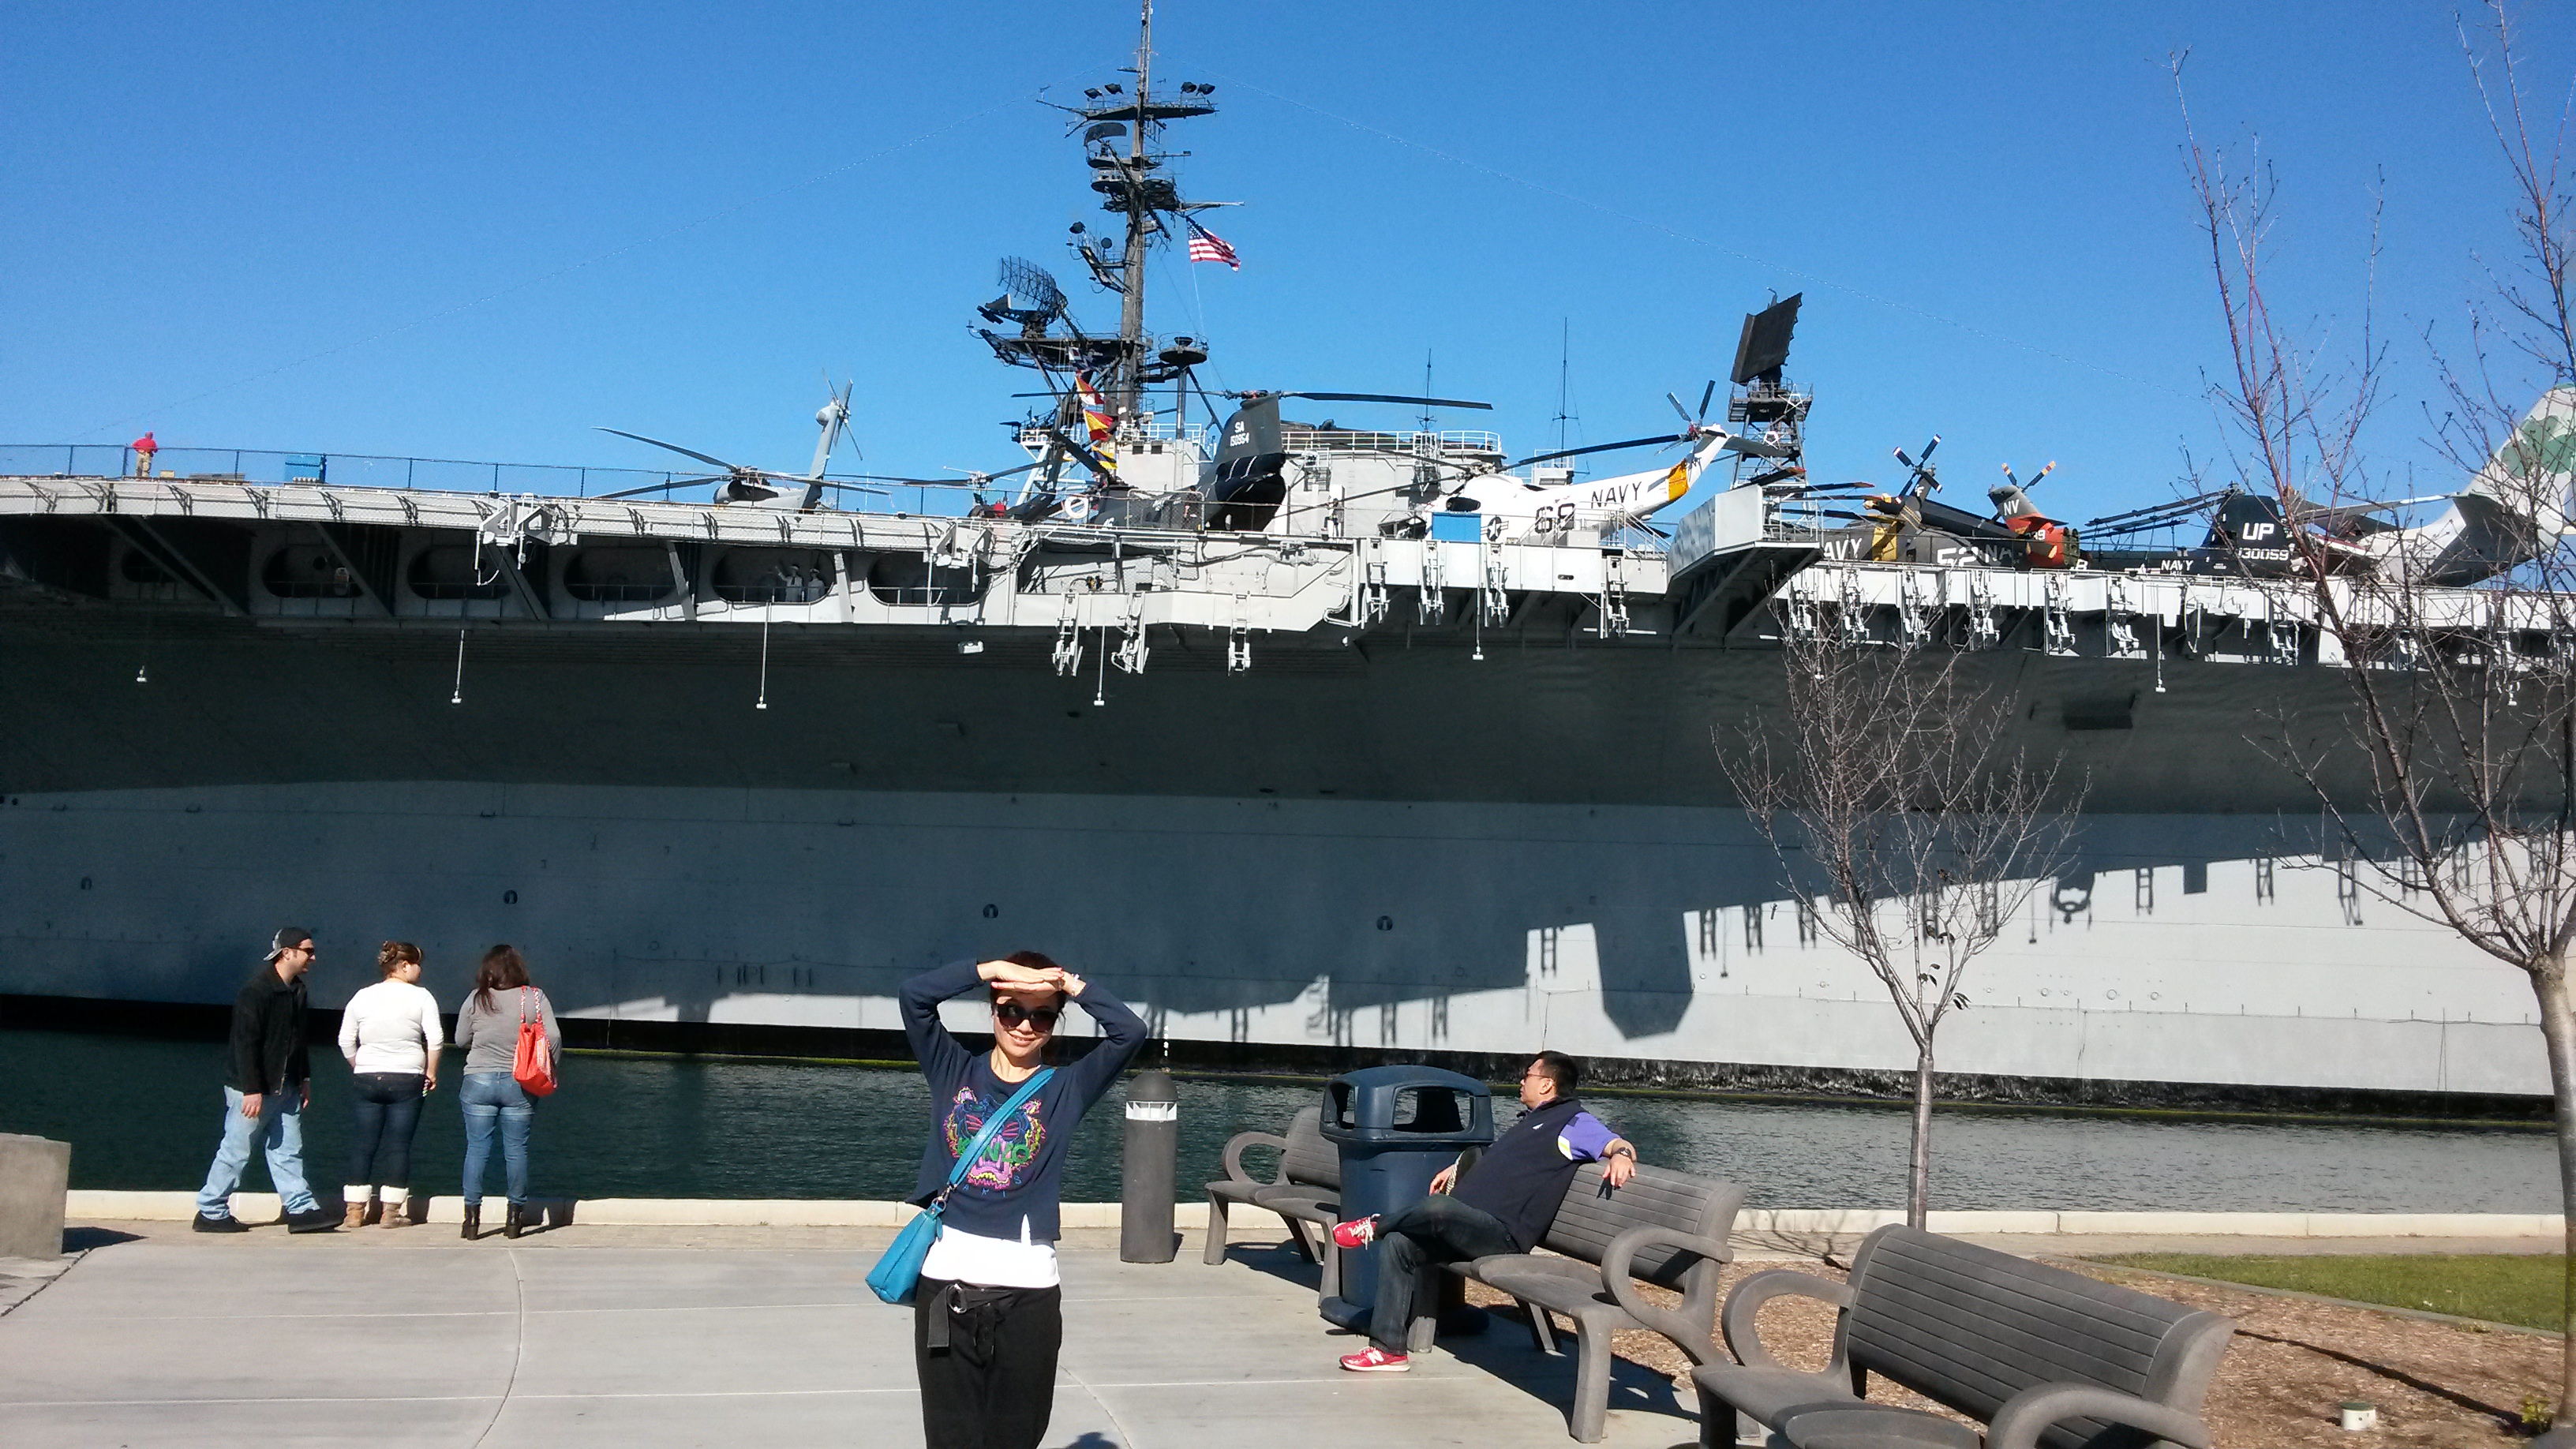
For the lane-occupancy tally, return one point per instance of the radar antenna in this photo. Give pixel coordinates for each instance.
(1120, 136)
(1762, 401)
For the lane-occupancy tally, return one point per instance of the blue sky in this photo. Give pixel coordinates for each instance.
(500, 226)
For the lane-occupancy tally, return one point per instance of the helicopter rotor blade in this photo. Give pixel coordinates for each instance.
(1665, 440)
(664, 487)
(1687, 419)
(1706, 393)
(1381, 397)
(674, 447)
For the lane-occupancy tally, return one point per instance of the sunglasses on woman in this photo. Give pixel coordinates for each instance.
(1011, 1013)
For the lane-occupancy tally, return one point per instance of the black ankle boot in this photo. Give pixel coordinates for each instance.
(511, 1224)
(473, 1222)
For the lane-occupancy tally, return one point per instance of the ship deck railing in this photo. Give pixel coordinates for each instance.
(273, 467)
(1472, 441)
(864, 496)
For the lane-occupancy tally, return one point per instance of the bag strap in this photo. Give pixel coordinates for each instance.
(993, 1125)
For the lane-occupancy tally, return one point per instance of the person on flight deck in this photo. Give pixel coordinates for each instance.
(144, 447)
(1503, 1204)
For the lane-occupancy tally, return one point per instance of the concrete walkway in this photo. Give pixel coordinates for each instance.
(683, 1336)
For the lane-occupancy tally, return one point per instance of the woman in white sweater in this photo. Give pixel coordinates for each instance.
(391, 1034)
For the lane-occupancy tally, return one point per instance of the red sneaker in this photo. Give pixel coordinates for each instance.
(1375, 1360)
(1357, 1233)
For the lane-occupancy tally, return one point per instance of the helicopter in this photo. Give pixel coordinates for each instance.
(1521, 511)
(2511, 511)
(758, 487)
(1907, 525)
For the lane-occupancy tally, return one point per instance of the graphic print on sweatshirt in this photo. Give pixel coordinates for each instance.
(1012, 1149)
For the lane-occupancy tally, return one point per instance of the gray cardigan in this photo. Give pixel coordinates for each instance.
(491, 1038)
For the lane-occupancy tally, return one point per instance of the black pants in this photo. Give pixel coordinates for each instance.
(991, 1385)
(1438, 1229)
(388, 1113)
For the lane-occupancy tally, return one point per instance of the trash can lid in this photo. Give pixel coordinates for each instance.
(1407, 1104)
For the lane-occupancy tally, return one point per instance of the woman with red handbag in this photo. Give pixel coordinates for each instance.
(508, 1032)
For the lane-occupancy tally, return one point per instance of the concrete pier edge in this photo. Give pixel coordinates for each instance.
(100, 1204)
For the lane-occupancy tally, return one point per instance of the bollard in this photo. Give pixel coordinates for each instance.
(1147, 1183)
(33, 1176)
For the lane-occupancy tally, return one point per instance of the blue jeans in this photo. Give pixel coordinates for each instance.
(388, 1112)
(279, 1127)
(494, 1098)
(1437, 1229)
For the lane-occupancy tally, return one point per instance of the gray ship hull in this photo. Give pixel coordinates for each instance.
(1393, 845)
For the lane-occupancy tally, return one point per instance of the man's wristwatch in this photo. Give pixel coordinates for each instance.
(1621, 1151)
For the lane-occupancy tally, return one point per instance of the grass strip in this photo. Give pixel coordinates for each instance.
(2519, 1288)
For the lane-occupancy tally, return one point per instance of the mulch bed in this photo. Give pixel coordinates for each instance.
(2289, 1367)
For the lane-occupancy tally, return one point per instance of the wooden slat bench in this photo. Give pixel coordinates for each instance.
(1306, 1191)
(2041, 1356)
(1666, 1228)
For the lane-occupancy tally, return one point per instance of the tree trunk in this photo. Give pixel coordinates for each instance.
(1918, 1167)
(2558, 1030)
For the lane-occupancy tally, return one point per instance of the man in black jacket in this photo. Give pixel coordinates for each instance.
(1503, 1204)
(268, 1082)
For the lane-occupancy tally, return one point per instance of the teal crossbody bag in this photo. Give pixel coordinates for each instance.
(899, 1271)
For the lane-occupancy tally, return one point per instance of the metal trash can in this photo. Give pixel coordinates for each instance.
(1396, 1128)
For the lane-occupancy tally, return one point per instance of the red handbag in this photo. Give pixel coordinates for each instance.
(534, 1067)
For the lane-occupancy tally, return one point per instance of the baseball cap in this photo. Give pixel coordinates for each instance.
(286, 940)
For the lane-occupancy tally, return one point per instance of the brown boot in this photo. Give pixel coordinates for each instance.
(397, 1214)
(356, 1213)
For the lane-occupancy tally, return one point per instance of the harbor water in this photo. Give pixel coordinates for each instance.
(143, 1114)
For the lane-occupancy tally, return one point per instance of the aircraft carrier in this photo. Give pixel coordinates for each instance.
(1319, 741)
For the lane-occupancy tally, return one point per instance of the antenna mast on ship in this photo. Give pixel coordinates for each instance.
(1121, 134)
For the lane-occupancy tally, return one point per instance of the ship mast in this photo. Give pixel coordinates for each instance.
(1140, 227)
(1134, 183)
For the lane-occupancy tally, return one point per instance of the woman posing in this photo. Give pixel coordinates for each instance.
(989, 1316)
(487, 1027)
(391, 1035)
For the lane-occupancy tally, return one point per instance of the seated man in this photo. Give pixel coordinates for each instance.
(1503, 1204)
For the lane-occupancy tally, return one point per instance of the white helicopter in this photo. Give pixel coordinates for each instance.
(1516, 510)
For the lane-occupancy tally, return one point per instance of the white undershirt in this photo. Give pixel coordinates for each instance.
(960, 1257)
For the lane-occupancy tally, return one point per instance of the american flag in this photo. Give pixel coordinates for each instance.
(1207, 246)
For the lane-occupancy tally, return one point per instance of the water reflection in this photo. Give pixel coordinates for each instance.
(142, 1114)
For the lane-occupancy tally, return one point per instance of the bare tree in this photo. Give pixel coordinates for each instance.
(1889, 786)
(2448, 786)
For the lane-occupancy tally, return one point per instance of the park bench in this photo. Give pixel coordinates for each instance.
(2039, 1355)
(1666, 1228)
(1306, 1191)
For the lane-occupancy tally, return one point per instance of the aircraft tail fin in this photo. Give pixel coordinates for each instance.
(2246, 518)
(2534, 468)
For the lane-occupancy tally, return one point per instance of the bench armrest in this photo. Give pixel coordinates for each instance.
(2028, 1414)
(1691, 1338)
(1761, 1288)
(1242, 1142)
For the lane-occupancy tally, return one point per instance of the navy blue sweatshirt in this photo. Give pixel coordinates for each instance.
(1022, 1167)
